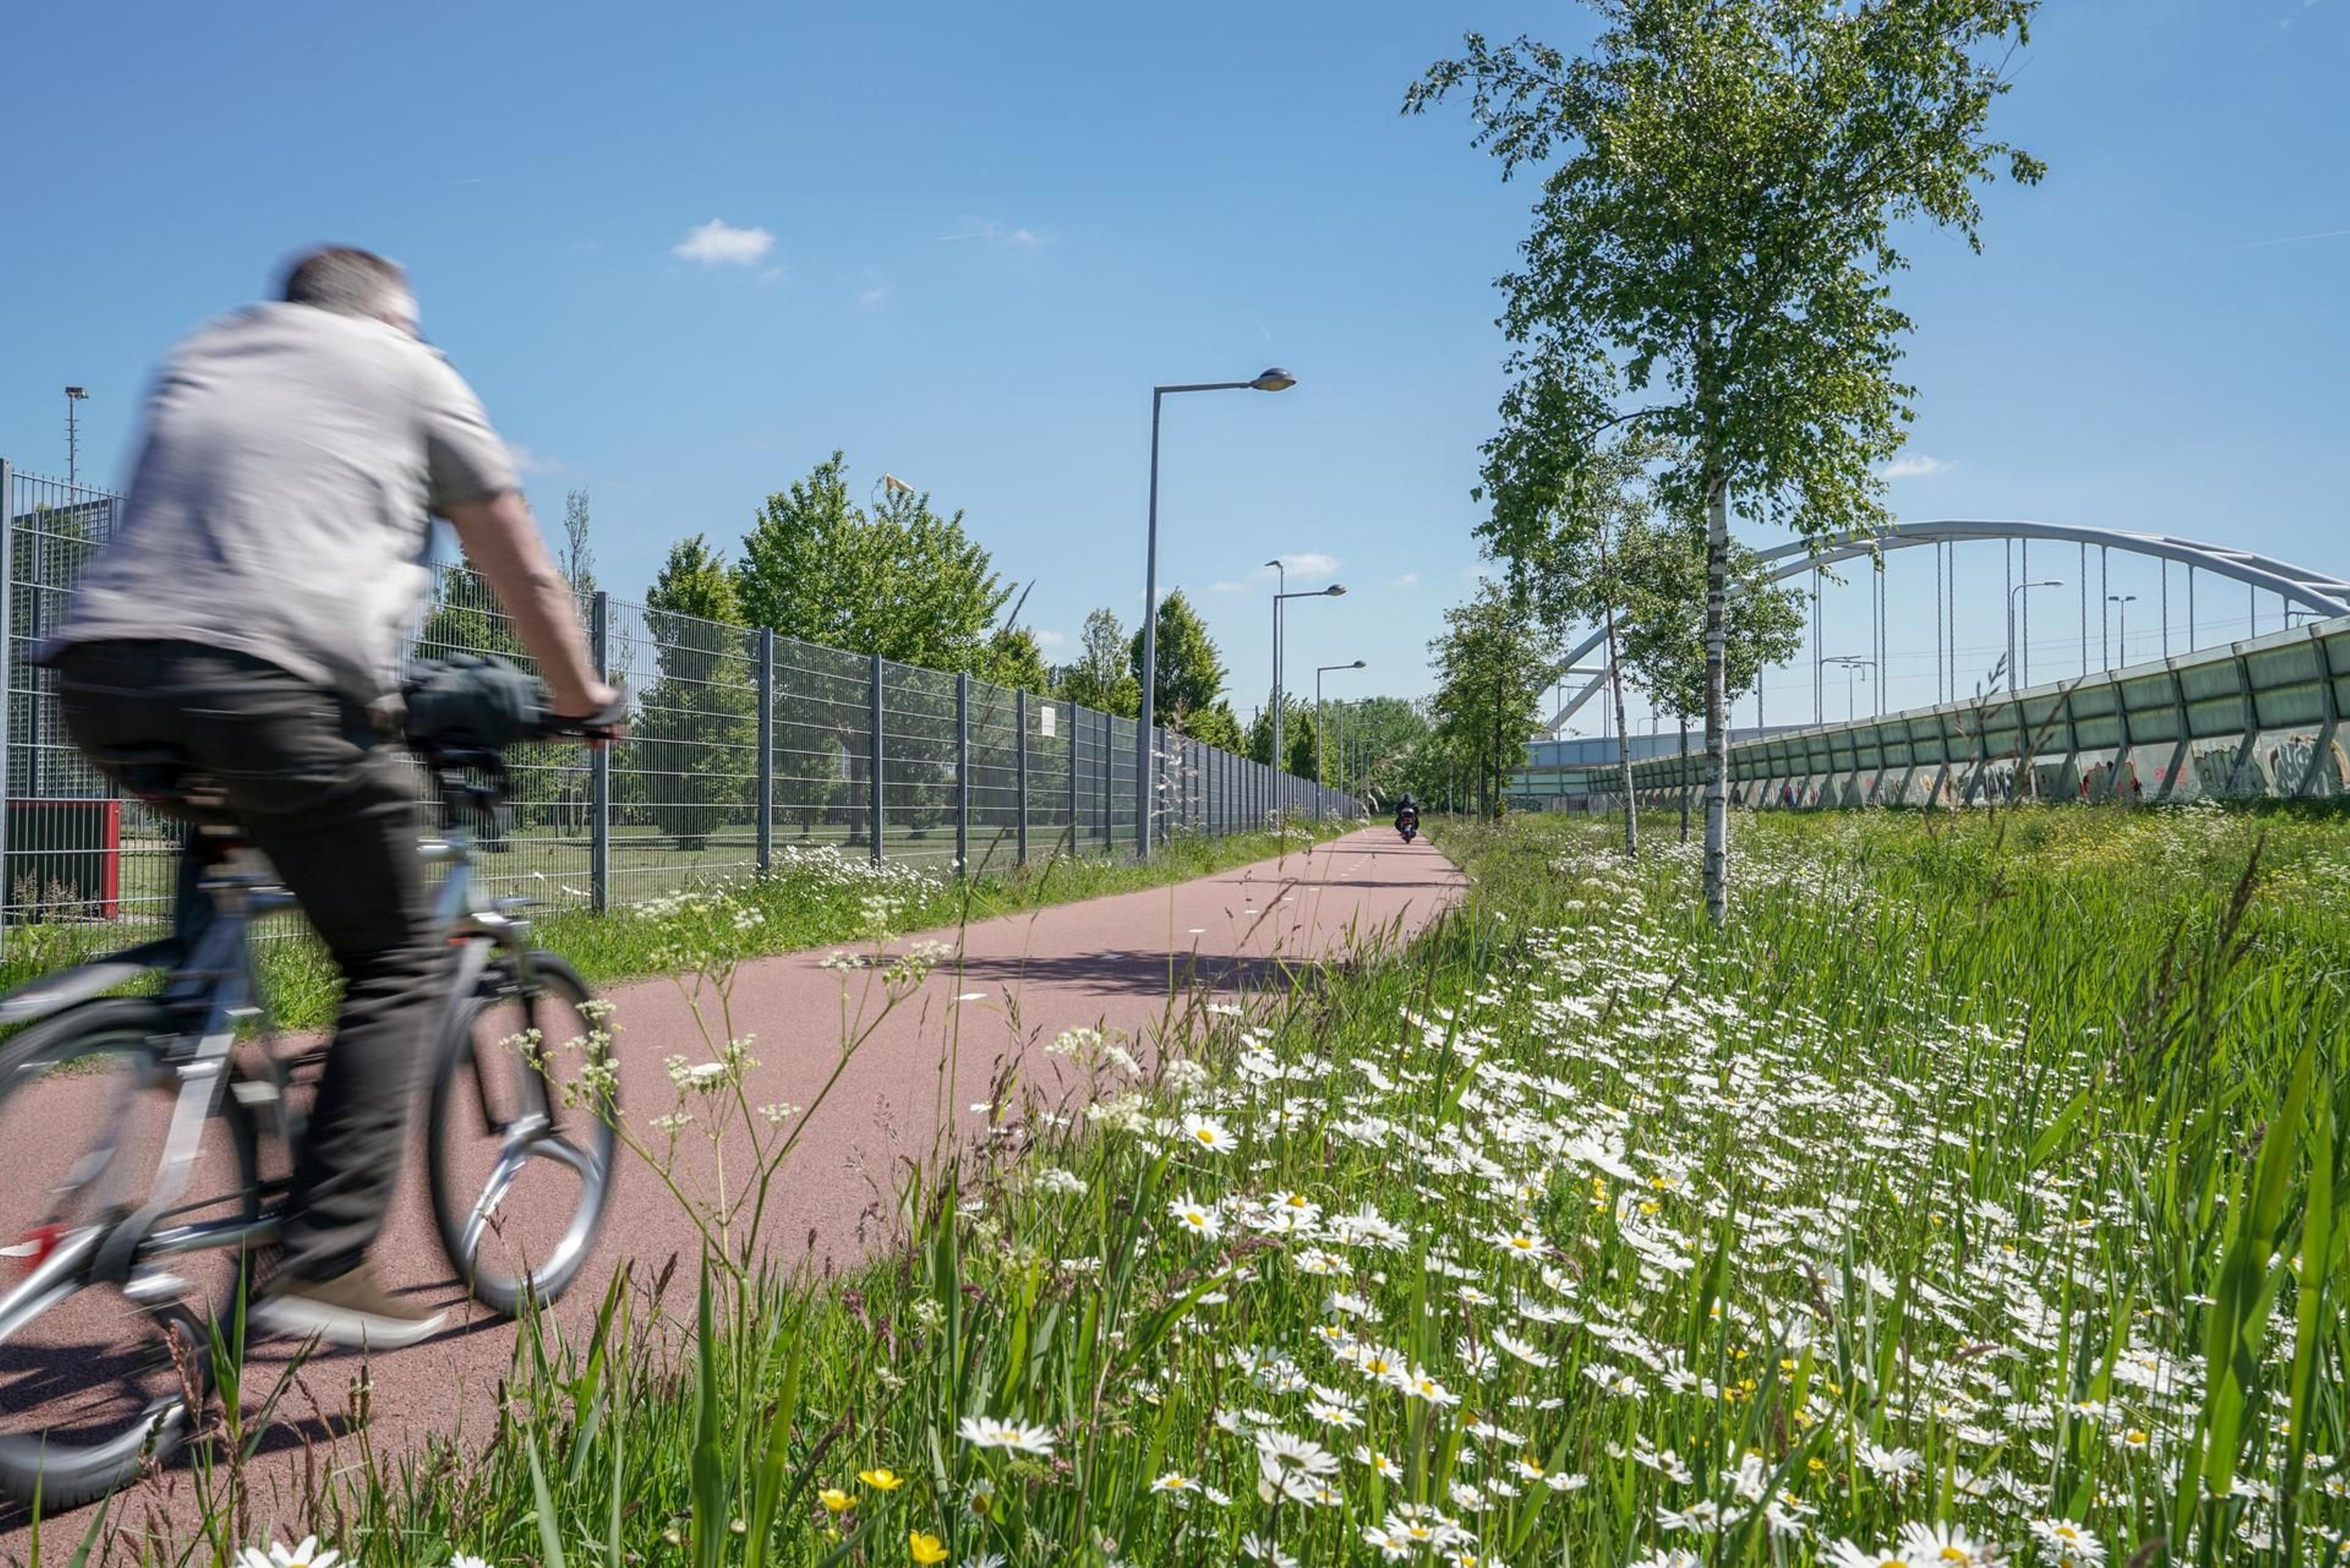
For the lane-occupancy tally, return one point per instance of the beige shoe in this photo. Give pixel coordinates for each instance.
(350, 1309)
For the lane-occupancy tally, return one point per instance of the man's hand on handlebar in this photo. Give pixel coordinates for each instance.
(600, 712)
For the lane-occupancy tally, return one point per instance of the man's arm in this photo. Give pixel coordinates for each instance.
(502, 542)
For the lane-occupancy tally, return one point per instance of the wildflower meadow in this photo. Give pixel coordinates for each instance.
(1973, 1199)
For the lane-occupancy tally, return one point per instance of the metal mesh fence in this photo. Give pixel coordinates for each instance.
(741, 744)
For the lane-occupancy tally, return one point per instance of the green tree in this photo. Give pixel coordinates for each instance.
(546, 785)
(1297, 720)
(1190, 675)
(1381, 734)
(1566, 522)
(1663, 652)
(464, 618)
(1099, 679)
(1217, 726)
(1494, 664)
(900, 581)
(1013, 661)
(578, 560)
(1714, 237)
(688, 764)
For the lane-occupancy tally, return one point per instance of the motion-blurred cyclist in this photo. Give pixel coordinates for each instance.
(253, 611)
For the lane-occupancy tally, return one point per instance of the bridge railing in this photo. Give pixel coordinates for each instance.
(2260, 718)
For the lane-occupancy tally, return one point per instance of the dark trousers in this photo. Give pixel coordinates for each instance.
(331, 801)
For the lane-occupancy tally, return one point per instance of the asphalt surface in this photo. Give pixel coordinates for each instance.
(1009, 986)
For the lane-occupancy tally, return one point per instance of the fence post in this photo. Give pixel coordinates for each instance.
(962, 774)
(599, 764)
(1020, 718)
(1109, 827)
(7, 661)
(873, 768)
(766, 748)
(1075, 720)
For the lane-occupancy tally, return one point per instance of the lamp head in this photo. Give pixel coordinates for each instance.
(1335, 590)
(1356, 665)
(1273, 380)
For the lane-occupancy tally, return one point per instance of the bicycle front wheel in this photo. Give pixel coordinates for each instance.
(94, 1384)
(521, 1145)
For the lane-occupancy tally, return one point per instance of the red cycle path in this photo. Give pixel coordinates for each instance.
(1010, 986)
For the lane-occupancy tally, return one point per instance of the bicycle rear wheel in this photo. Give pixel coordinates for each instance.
(521, 1147)
(94, 1384)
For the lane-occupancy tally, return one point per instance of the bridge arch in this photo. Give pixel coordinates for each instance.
(2316, 592)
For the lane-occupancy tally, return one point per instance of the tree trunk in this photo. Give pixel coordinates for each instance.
(1717, 716)
(1501, 688)
(1684, 790)
(1622, 729)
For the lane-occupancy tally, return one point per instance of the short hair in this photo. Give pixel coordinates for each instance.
(350, 281)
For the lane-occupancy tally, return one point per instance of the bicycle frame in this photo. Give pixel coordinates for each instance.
(215, 989)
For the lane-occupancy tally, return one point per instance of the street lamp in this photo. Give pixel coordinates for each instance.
(2012, 595)
(1280, 702)
(1851, 662)
(2125, 600)
(1318, 673)
(74, 395)
(1273, 380)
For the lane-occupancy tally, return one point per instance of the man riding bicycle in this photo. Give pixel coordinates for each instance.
(253, 610)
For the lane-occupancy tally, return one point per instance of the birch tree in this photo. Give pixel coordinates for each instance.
(1720, 186)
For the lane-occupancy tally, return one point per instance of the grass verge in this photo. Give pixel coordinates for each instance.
(813, 897)
(1973, 1198)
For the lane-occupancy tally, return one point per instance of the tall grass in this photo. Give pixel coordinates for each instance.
(1974, 1197)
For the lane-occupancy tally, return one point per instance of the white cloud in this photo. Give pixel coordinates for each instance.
(1308, 564)
(1228, 587)
(1010, 236)
(719, 244)
(1050, 639)
(1914, 465)
(537, 464)
(873, 296)
(1409, 580)
(772, 275)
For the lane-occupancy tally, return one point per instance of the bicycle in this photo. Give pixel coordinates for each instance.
(105, 1298)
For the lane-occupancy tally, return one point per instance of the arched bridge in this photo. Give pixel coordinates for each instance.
(2294, 590)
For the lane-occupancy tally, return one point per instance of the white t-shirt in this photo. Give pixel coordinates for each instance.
(280, 504)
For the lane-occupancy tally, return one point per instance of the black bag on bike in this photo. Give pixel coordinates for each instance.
(472, 702)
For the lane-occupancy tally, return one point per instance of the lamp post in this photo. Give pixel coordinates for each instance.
(74, 396)
(2011, 595)
(1851, 662)
(1273, 380)
(1280, 586)
(1280, 694)
(1319, 673)
(2125, 600)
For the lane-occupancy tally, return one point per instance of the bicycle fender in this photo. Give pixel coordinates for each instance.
(56, 993)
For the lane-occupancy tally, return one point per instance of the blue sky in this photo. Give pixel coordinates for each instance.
(962, 241)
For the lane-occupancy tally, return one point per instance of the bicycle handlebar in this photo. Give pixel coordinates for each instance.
(474, 706)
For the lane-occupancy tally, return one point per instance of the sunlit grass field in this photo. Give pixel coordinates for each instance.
(1974, 1197)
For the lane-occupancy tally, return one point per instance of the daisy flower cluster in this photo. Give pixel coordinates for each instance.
(1598, 1260)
